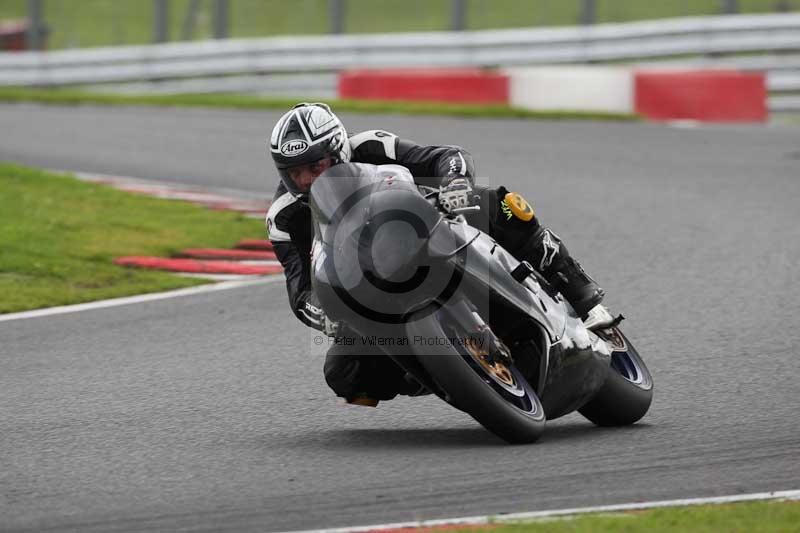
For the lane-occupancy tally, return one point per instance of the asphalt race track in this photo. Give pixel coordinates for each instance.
(210, 412)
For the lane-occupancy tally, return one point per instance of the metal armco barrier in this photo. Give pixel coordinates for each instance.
(705, 37)
(701, 36)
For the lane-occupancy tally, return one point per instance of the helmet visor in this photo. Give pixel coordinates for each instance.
(299, 178)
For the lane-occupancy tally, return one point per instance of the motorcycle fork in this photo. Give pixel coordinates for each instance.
(472, 323)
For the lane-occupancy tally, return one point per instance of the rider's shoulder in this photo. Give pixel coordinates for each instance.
(394, 171)
(372, 140)
(283, 207)
(371, 135)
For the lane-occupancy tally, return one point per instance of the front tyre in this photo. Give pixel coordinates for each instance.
(498, 397)
(628, 391)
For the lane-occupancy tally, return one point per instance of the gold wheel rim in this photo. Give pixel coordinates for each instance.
(498, 369)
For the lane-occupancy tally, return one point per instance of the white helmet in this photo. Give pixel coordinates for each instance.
(304, 135)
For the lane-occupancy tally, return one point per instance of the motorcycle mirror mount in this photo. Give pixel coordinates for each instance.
(522, 271)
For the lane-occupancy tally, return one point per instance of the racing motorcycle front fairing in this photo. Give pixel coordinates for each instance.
(383, 252)
(569, 363)
(371, 234)
(378, 239)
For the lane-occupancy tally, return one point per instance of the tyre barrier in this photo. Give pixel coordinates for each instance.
(470, 85)
(703, 95)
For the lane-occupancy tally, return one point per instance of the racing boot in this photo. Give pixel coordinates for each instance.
(600, 318)
(547, 253)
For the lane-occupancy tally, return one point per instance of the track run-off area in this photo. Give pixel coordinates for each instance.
(209, 411)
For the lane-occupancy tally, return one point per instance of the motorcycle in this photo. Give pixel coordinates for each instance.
(462, 317)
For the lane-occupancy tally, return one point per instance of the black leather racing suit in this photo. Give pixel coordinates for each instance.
(354, 370)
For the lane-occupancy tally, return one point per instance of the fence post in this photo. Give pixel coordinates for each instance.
(190, 20)
(160, 21)
(336, 10)
(220, 19)
(458, 15)
(588, 12)
(34, 32)
(730, 6)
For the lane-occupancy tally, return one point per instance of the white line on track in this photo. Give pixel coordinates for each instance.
(684, 124)
(518, 517)
(226, 285)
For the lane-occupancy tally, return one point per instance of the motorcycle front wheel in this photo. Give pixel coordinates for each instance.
(628, 391)
(493, 393)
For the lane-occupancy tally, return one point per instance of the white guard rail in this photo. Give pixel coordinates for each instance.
(606, 42)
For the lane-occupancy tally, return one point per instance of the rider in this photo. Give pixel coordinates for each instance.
(308, 140)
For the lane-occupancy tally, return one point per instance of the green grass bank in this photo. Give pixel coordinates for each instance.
(752, 517)
(77, 97)
(86, 23)
(60, 235)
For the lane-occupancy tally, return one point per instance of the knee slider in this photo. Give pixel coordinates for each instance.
(340, 374)
(514, 206)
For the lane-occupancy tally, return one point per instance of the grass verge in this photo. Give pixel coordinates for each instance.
(82, 23)
(60, 235)
(75, 97)
(751, 517)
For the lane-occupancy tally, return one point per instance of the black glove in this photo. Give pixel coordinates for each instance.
(310, 311)
(457, 196)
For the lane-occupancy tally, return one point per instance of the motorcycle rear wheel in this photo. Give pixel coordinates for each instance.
(628, 391)
(502, 401)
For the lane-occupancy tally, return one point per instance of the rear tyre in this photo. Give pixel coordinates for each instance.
(628, 391)
(500, 400)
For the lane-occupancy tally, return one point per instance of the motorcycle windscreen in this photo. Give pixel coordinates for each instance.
(336, 191)
(376, 225)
